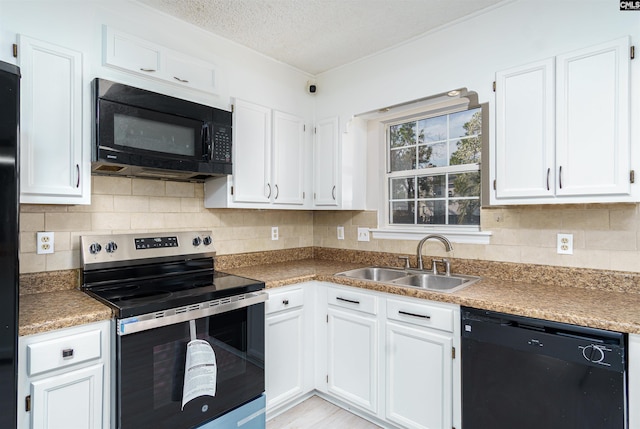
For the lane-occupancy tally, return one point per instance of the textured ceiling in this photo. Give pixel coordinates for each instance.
(318, 35)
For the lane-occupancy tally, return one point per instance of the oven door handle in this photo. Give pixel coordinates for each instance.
(133, 324)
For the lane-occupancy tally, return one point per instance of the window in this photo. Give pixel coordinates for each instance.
(433, 169)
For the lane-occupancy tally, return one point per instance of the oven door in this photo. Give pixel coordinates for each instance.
(151, 370)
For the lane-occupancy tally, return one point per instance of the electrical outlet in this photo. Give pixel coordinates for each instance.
(363, 234)
(274, 232)
(44, 242)
(565, 244)
(341, 233)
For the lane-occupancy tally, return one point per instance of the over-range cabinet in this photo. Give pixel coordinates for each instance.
(9, 120)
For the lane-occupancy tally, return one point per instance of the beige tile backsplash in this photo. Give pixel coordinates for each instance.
(605, 236)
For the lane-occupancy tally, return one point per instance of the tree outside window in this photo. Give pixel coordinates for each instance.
(434, 170)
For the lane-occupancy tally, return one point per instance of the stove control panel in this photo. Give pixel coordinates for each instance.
(156, 242)
(123, 247)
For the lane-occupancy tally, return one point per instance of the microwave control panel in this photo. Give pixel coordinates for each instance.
(221, 142)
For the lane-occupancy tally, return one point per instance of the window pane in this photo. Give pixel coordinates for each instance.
(431, 186)
(464, 212)
(402, 212)
(431, 212)
(467, 123)
(425, 154)
(403, 159)
(402, 189)
(402, 134)
(433, 129)
(465, 151)
(439, 155)
(464, 184)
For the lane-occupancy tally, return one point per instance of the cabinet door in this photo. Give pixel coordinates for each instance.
(252, 153)
(288, 159)
(593, 154)
(284, 356)
(352, 358)
(325, 163)
(190, 72)
(69, 400)
(130, 53)
(418, 377)
(525, 139)
(51, 147)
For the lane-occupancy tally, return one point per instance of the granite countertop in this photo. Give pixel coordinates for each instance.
(616, 311)
(47, 311)
(45, 305)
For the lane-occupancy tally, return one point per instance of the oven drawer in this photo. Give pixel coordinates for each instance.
(353, 300)
(62, 352)
(284, 300)
(420, 314)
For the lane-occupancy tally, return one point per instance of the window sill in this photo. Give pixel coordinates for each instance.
(455, 236)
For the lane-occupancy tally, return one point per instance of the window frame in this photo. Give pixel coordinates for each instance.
(456, 233)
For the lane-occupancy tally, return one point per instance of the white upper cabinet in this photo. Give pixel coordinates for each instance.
(562, 129)
(326, 160)
(251, 153)
(592, 126)
(142, 57)
(269, 159)
(525, 140)
(54, 164)
(288, 159)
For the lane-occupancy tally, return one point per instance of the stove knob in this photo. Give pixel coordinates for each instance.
(206, 240)
(197, 241)
(111, 247)
(95, 248)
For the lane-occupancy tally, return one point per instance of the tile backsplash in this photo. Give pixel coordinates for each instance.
(123, 205)
(605, 236)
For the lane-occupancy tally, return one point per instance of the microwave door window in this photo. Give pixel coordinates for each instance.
(149, 135)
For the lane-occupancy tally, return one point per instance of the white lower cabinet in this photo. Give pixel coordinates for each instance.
(288, 347)
(64, 378)
(352, 348)
(391, 358)
(388, 358)
(419, 364)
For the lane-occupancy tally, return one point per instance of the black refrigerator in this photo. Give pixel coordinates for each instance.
(9, 131)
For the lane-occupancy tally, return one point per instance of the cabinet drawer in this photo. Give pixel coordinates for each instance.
(353, 300)
(283, 300)
(63, 352)
(420, 314)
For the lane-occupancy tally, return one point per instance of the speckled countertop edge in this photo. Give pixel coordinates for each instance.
(605, 299)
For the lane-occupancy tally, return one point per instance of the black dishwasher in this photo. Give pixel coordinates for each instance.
(523, 373)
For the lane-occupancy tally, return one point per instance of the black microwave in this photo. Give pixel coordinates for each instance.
(139, 133)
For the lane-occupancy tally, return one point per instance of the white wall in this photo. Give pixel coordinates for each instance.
(469, 53)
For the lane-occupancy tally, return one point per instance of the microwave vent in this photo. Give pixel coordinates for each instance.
(109, 168)
(164, 174)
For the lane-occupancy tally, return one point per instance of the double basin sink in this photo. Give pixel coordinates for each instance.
(418, 279)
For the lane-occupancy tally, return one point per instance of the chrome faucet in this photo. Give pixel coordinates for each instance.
(444, 240)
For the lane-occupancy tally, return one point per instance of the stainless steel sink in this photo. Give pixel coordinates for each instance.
(437, 282)
(376, 274)
(419, 279)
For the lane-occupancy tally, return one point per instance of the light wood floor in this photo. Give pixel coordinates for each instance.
(316, 413)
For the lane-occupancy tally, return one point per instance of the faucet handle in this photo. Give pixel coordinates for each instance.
(445, 262)
(406, 261)
(434, 265)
